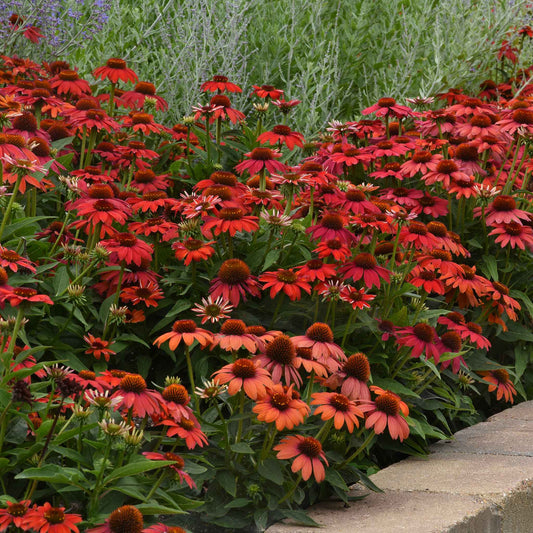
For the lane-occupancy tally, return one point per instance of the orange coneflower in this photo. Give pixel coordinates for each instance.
(333, 248)
(280, 359)
(98, 347)
(12, 260)
(308, 454)
(177, 401)
(147, 294)
(339, 407)
(283, 406)
(353, 376)
(231, 218)
(188, 429)
(233, 337)
(193, 250)
(136, 396)
(128, 248)
(286, 280)
(14, 514)
(244, 374)
(499, 381)
(22, 295)
(186, 331)
(384, 412)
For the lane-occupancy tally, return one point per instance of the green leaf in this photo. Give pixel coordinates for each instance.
(56, 474)
(394, 386)
(271, 469)
(227, 482)
(138, 467)
(241, 447)
(334, 478)
(155, 508)
(522, 354)
(301, 517)
(237, 503)
(490, 266)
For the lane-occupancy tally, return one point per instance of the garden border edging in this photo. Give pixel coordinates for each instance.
(479, 482)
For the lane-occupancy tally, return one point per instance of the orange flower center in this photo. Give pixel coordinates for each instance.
(155, 195)
(481, 121)
(193, 244)
(55, 515)
(311, 166)
(186, 424)
(176, 393)
(304, 353)
(476, 328)
(452, 341)
(126, 239)
(340, 402)
(501, 375)
(100, 190)
(504, 203)
(388, 403)
(443, 255)
(86, 374)
(234, 272)
(3, 276)
(281, 129)
(500, 287)
(25, 292)
(421, 157)
(261, 154)
(220, 100)
(144, 176)
(222, 191)
(255, 330)
(472, 102)
(16, 509)
(357, 366)
(310, 447)
(133, 383)
(222, 177)
(365, 260)
(523, 116)
(144, 87)
(118, 373)
(469, 272)
(231, 213)
(184, 326)
(68, 75)
(386, 102)
(115, 62)
(281, 350)
(280, 401)
(319, 332)
(437, 228)
(286, 276)
(244, 369)
(126, 519)
(332, 221)
(466, 152)
(419, 228)
(141, 118)
(25, 122)
(180, 463)
(424, 332)
(447, 166)
(96, 114)
(233, 326)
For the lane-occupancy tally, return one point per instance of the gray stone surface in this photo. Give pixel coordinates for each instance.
(481, 481)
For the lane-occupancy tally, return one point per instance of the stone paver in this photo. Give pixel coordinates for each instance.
(481, 481)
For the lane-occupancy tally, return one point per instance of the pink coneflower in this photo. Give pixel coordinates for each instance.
(472, 332)
(513, 234)
(384, 412)
(421, 161)
(233, 337)
(246, 375)
(136, 396)
(387, 107)
(234, 282)
(444, 172)
(308, 454)
(432, 206)
(417, 235)
(502, 210)
(422, 339)
(280, 359)
(319, 338)
(402, 196)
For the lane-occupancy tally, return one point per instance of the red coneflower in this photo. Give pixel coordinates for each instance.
(259, 159)
(23, 295)
(98, 347)
(114, 70)
(244, 374)
(48, 519)
(331, 226)
(316, 269)
(427, 279)
(220, 84)
(147, 294)
(143, 90)
(177, 466)
(416, 234)
(421, 161)
(339, 407)
(12, 260)
(502, 210)
(364, 266)
(234, 281)
(472, 332)
(230, 219)
(282, 134)
(193, 250)
(513, 234)
(233, 336)
(186, 331)
(125, 519)
(286, 280)
(384, 413)
(282, 406)
(499, 381)
(68, 82)
(444, 172)
(223, 110)
(14, 514)
(357, 298)
(333, 248)
(267, 91)
(308, 454)
(128, 248)
(387, 107)
(143, 122)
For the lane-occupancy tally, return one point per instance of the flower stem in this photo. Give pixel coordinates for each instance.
(359, 450)
(10, 204)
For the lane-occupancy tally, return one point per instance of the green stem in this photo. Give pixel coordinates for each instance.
(324, 431)
(10, 204)
(96, 492)
(156, 485)
(289, 494)
(191, 377)
(358, 451)
(241, 419)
